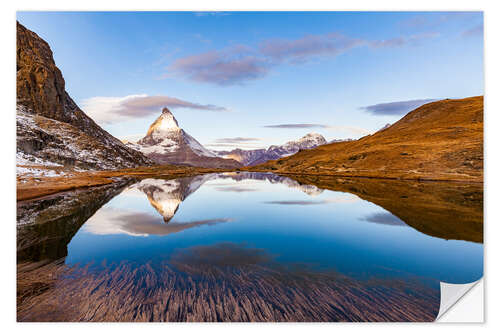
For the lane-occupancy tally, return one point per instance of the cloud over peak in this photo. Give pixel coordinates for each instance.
(116, 109)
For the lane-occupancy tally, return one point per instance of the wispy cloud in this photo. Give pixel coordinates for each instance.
(235, 140)
(227, 67)
(395, 108)
(296, 202)
(349, 129)
(434, 20)
(303, 49)
(475, 31)
(340, 200)
(237, 189)
(241, 63)
(401, 41)
(297, 126)
(105, 110)
(204, 14)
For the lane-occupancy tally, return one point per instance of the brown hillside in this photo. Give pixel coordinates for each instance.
(442, 140)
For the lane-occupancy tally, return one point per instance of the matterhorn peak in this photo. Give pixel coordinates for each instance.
(165, 123)
(165, 142)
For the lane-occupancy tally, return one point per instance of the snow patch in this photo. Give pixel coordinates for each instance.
(26, 159)
(35, 172)
(197, 148)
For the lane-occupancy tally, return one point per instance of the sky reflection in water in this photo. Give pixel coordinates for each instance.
(279, 218)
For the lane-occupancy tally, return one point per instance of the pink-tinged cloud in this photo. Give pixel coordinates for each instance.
(241, 63)
(221, 67)
(302, 49)
(106, 110)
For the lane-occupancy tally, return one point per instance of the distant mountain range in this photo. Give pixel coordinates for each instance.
(165, 142)
(51, 129)
(258, 156)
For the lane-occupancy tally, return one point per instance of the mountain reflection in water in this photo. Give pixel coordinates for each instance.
(247, 247)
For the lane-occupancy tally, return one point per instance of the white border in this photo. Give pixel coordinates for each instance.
(462, 311)
(492, 125)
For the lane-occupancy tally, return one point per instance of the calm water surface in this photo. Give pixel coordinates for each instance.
(248, 246)
(295, 224)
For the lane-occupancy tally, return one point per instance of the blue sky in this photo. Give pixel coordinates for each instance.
(241, 79)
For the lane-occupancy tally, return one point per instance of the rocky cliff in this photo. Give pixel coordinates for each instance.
(51, 128)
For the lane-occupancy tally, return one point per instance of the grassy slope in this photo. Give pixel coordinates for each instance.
(442, 140)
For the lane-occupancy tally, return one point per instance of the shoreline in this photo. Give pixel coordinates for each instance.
(40, 187)
(418, 179)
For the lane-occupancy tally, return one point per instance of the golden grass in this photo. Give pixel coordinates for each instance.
(438, 141)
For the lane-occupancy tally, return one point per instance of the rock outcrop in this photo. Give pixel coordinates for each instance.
(50, 126)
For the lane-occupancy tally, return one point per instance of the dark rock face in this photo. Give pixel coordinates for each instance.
(41, 96)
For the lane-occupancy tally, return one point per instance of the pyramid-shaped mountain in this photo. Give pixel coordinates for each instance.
(167, 143)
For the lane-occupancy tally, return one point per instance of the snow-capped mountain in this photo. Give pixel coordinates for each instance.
(165, 142)
(258, 156)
